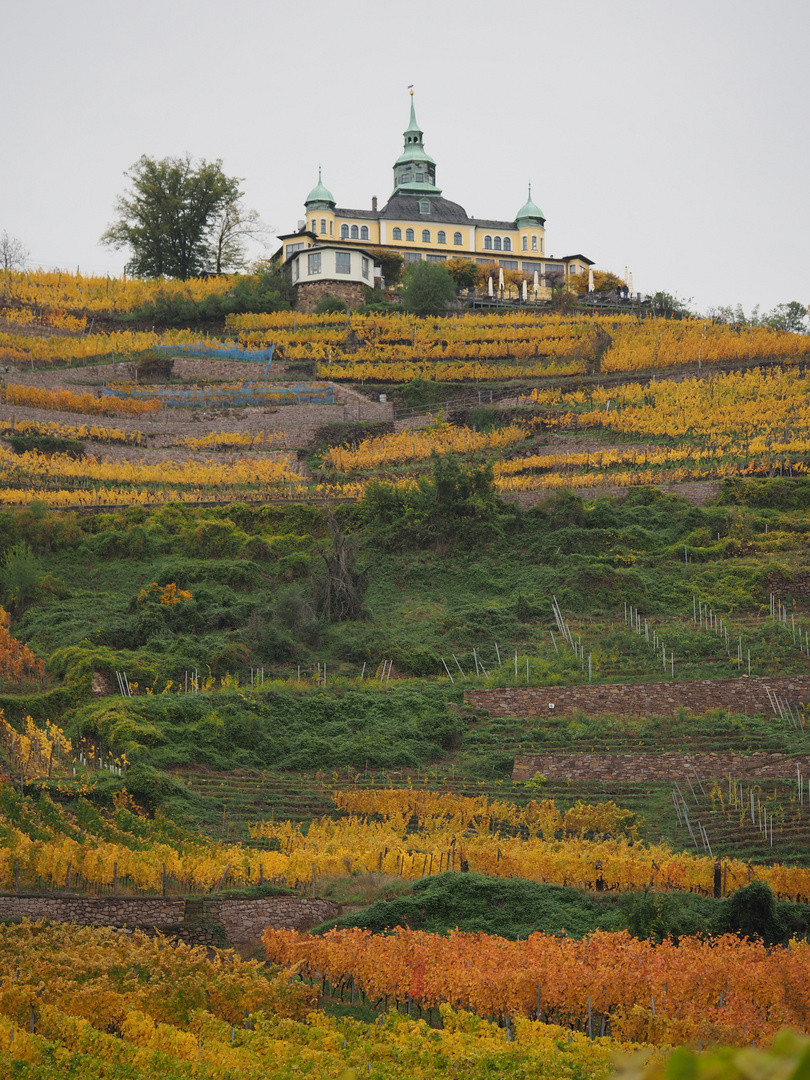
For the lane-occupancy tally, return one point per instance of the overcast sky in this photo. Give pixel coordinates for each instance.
(671, 138)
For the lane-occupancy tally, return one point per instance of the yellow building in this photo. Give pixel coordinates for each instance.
(420, 224)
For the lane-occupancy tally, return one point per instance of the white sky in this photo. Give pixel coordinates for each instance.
(671, 138)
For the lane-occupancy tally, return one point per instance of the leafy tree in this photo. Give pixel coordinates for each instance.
(604, 281)
(330, 305)
(456, 504)
(427, 288)
(668, 306)
(390, 262)
(13, 253)
(179, 219)
(791, 317)
(20, 576)
(464, 271)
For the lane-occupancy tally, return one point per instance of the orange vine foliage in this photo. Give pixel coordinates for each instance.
(80, 1001)
(721, 990)
(17, 661)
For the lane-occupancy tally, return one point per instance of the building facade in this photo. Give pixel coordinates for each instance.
(420, 224)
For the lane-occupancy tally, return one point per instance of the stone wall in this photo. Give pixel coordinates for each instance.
(200, 922)
(697, 493)
(667, 766)
(740, 695)
(309, 293)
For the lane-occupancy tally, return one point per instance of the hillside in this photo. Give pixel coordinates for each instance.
(381, 619)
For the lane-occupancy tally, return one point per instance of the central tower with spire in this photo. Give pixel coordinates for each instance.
(414, 170)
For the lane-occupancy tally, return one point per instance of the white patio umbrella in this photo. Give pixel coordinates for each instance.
(590, 281)
(500, 278)
(524, 290)
(536, 282)
(490, 289)
(630, 282)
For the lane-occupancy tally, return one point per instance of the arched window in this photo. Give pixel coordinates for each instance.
(487, 243)
(355, 233)
(409, 234)
(507, 244)
(441, 237)
(344, 232)
(425, 236)
(534, 243)
(364, 232)
(397, 233)
(457, 238)
(496, 243)
(323, 225)
(525, 243)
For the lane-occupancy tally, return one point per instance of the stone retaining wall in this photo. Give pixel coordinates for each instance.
(667, 766)
(697, 493)
(242, 921)
(740, 695)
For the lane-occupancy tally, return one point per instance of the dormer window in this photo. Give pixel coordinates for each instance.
(420, 177)
(424, 204)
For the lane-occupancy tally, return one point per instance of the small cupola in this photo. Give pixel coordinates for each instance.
(529, 213)
(320, 198)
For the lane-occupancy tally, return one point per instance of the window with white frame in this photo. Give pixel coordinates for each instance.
(314, 225)
(425, 236)
(331, 223)
(507, 243)
(541, 246)
(487, 243)
(355, 233)
(435, 258)
(534, 243)
(364, 232)
(343, 262)
(457, 238)
(525, 243)
(409, 234)
(323, 225)
(496, 243)
(314, 262)
(441, 237)
(344, 232)
(397, 233)
(364, 266)
(294, 247)
(413, 256)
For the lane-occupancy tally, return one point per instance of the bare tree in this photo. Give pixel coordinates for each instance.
(13, 253)
(340, 586)
(233, 227)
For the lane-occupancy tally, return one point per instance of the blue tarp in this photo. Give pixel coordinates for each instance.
(215, 351)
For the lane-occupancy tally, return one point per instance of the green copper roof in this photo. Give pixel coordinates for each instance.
(319, 193)
(529, 210)
(413, 160)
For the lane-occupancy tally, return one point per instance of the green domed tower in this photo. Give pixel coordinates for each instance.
(414, 170)
(320, 204)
